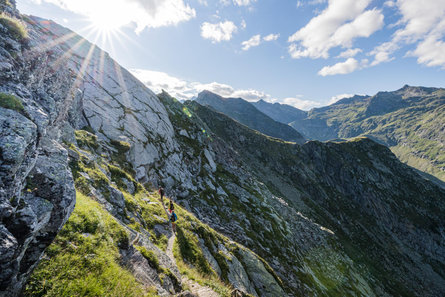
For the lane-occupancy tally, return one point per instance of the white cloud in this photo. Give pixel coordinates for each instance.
(423, 24)
(390, 3)
(256, 40)
(300, 103)
(430, 52)
(143, 13)
(238, 2)
(218, 32)
(158, 81)
(383, 52)
(253, 41)
(185, 90)
(339, 97)
(349, 53)
(301, 3)
(336, 26)
(243, 2)
(350, 65)
(217, 88)
(271, 37)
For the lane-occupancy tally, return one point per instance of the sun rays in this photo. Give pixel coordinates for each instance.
(80, 55)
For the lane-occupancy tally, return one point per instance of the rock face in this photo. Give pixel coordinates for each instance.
(36, 186)
(66, 84)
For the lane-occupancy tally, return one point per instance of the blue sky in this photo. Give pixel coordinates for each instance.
(303, 53)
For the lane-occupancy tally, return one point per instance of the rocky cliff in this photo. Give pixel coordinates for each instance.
(71, 117)
(256, 213)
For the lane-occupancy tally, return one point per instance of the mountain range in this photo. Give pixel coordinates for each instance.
(243, 112)
(410, 121)
(85, 146)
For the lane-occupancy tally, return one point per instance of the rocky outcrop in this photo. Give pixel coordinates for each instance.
(36, 186)
(55, 76)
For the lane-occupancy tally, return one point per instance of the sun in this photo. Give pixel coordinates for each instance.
(104, 22)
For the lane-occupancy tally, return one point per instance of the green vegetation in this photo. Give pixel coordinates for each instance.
(411, 127)
(150, 256)
(209, 280)
(16, 28)
(86, 140)
(84, 258)
(191, 252)
(11, 102)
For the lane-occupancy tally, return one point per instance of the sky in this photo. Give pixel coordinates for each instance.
(302, 53)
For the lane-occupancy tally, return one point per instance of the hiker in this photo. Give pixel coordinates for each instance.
(173, 219)
(161, 193)
(171, 207)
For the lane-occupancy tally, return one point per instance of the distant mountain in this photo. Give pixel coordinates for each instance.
(282, 113)
(411, 121)
(245, 113)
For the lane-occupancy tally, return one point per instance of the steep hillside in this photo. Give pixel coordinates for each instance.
(258, 214)
(382, 221)
(247, 114)
(72, 120)
(411, 121)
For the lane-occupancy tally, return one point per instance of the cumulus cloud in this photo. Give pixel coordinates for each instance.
(253, 41)
(337, 26)
(350, 65)
(300, 103)
(349, 53)
(237, 2)
(143, 13)
(423, 24)
(271, 37)
(185, 90)
(256, 40)
(158, 81)
(218, 32)
(339, 97)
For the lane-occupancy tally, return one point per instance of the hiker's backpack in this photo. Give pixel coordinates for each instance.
(174, 217)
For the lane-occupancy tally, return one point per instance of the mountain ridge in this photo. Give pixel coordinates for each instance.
(263, 215)
(246, 113)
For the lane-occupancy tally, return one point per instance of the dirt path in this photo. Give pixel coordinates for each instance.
(199, 290)
(195, 288)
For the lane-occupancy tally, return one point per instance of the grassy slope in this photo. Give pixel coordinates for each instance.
(414, 131)
(84, 258)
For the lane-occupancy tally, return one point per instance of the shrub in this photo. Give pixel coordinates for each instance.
(11, 102)
(150, 256)
(16, 28)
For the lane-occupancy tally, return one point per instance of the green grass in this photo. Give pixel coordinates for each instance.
(209, 280)
(10, 101)
(86, 140)
(16, 28)
(150, 257)
(84, 258)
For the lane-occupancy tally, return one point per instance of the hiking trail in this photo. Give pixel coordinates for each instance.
(194, 287)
